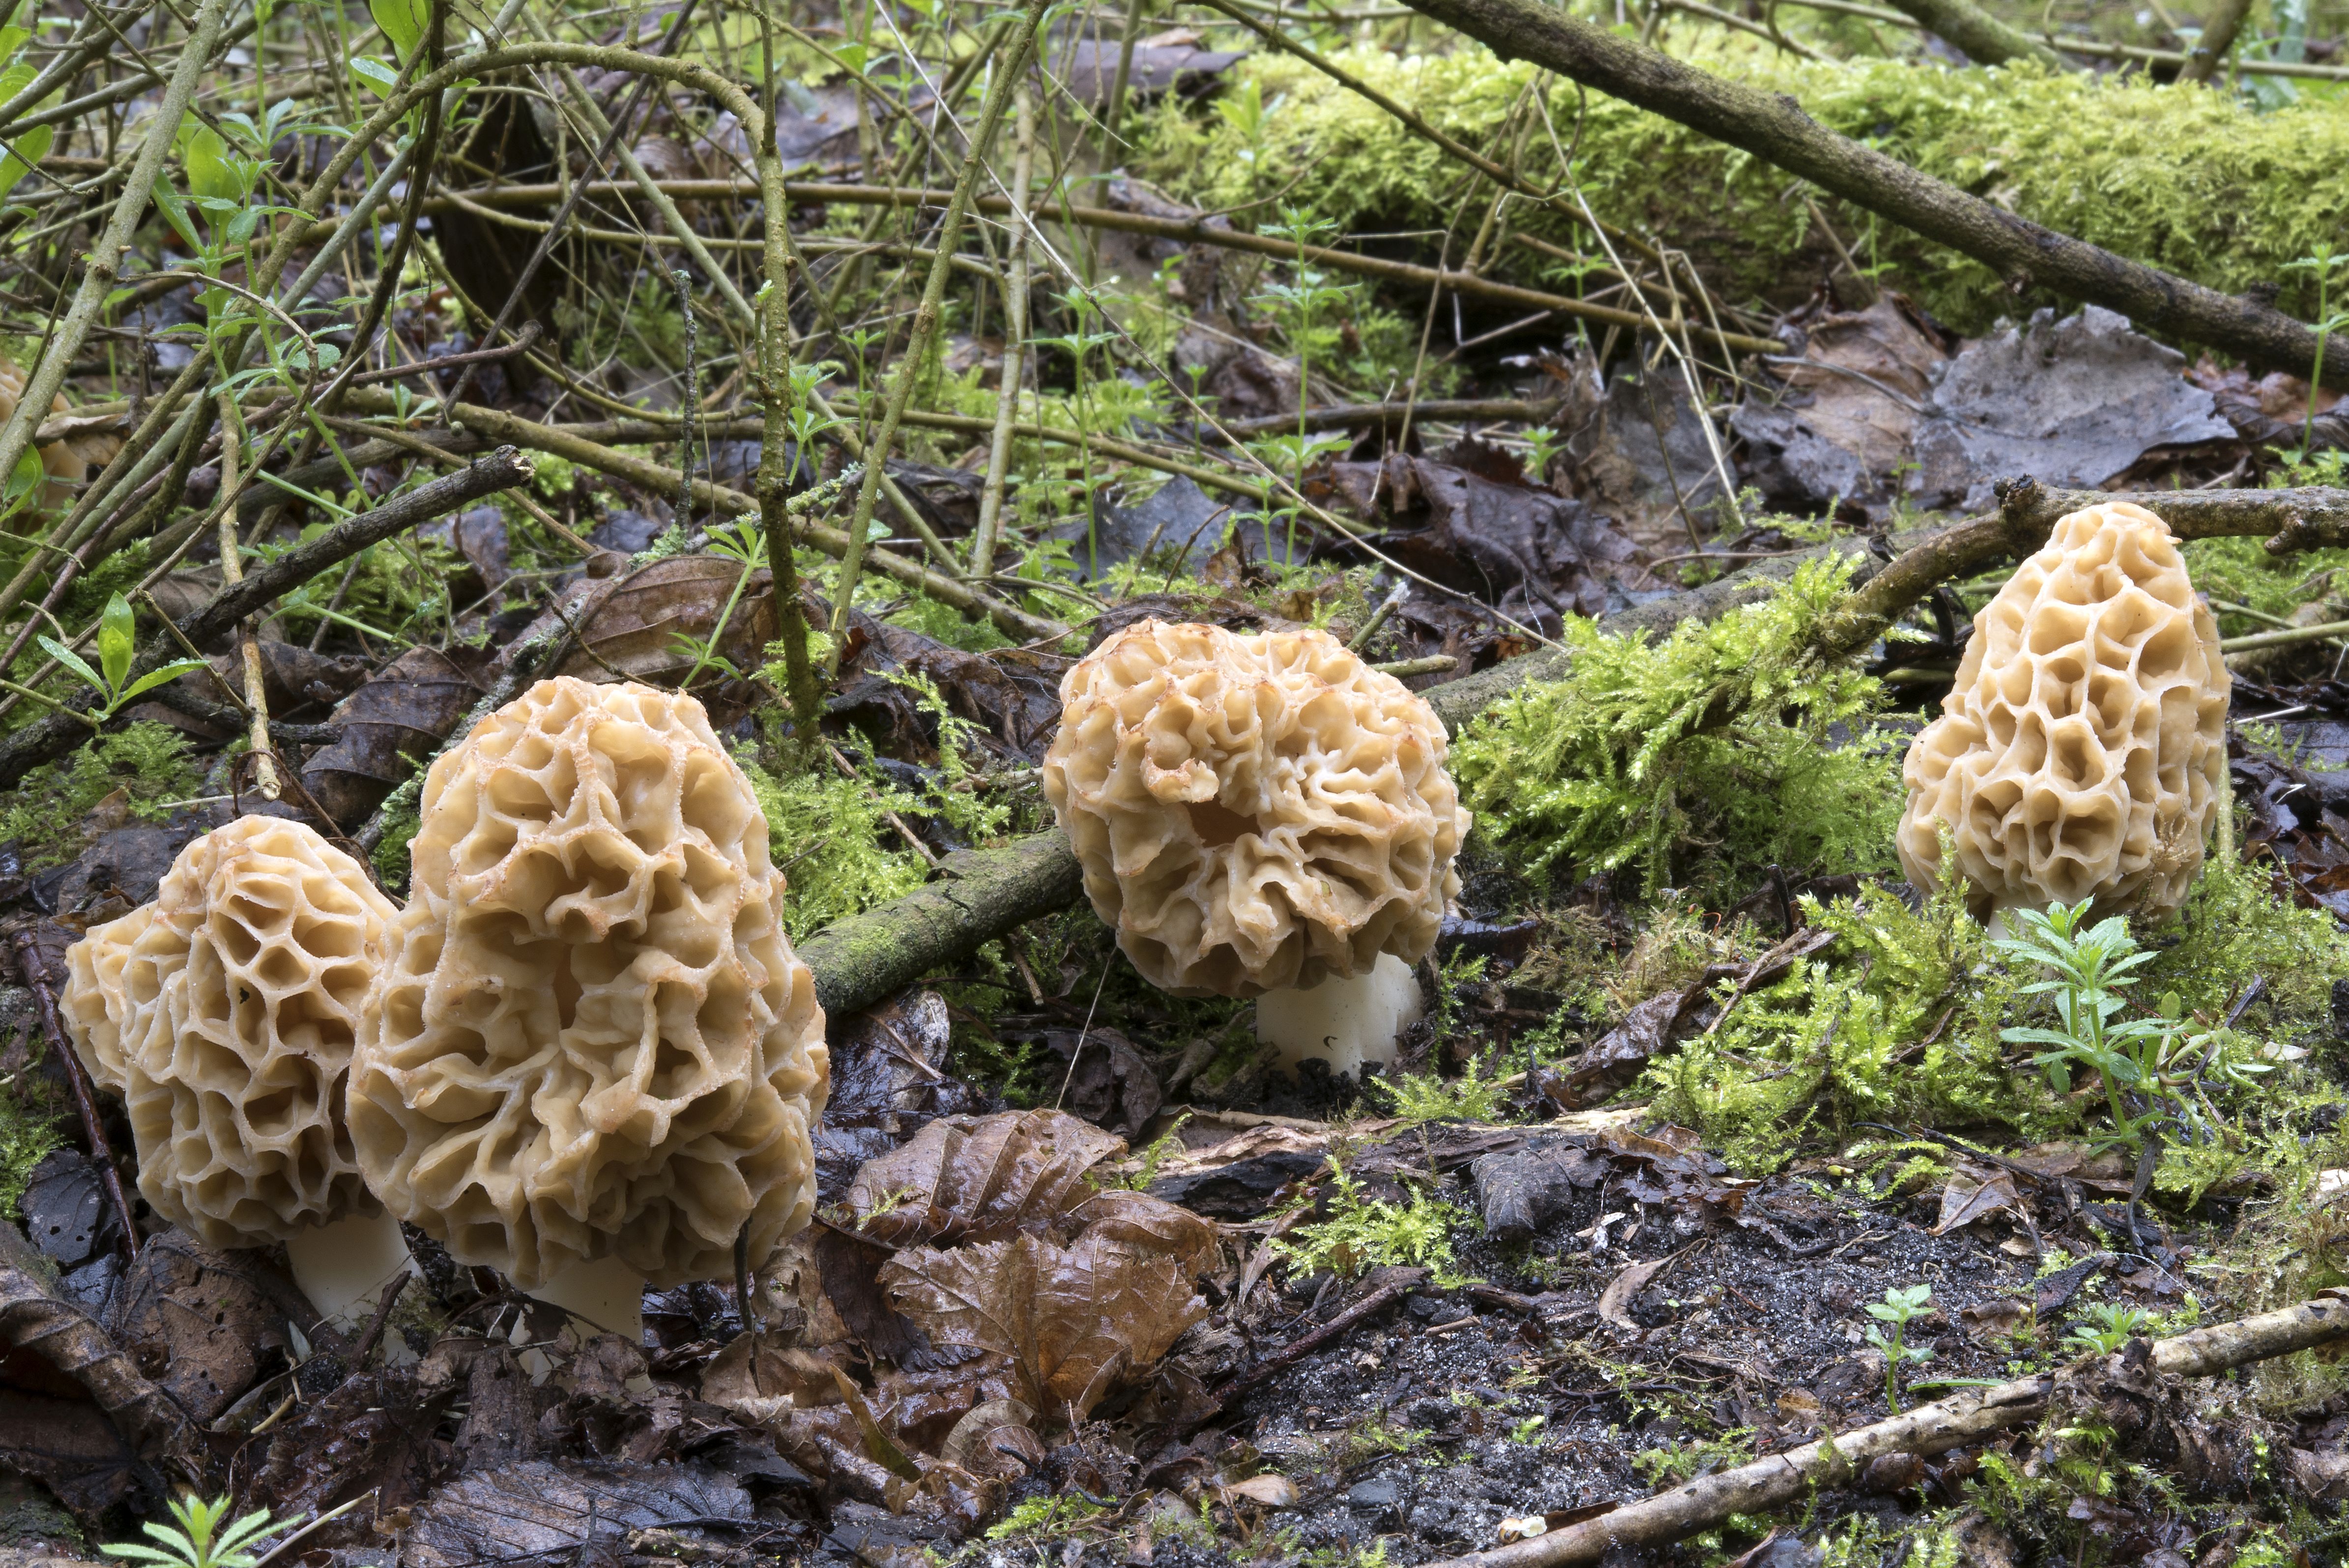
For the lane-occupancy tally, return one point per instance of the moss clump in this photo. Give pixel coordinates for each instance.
(824, 830)
(2241, 572)
(1902, 1024)
(1699, 760)
(150, 762)
(2195, 182)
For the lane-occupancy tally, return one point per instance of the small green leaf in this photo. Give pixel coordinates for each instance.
(402, 21)
(155, 677)
(74, 662)
(118, 637)
(377, 76)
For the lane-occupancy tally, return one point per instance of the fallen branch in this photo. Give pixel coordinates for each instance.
(35, 970)
(1775, 128)
(46, 739)
(1182, 231)
(1781, 1479)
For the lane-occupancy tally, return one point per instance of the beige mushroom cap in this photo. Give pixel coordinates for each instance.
(1253, 813)
(224, 1013)
(2081, 752)
(592, 1039)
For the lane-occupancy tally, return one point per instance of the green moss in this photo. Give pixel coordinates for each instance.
(29, 1131)
(148, 762)
(824, 831)
(1900, 1024)
(2241, 572)
(2195, 182)
(1699, 760)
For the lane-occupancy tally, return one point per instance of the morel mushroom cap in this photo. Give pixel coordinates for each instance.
(592, 1040)
(224, 1013)
(1253, 812)
(93, 991)
(2081, 752)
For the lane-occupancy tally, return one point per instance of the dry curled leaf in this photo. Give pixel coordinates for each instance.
(1614, 1300)
(1073, 1321)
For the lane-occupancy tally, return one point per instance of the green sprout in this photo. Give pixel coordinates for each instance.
(2110, 1326)
(1900, 1305)
(199, 1540)
(118, 641)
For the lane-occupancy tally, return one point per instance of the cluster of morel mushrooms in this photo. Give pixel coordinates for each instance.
(585, 1056)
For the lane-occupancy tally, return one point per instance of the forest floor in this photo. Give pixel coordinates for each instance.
(1718, 1139)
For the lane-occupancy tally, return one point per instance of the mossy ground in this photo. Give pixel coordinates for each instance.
(2201, 184)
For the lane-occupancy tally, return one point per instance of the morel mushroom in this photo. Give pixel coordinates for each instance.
(2081, 752)
(592, 1060)
(1261, 815)
(223, 1014)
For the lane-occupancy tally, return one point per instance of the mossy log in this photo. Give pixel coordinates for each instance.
(1776, 128)
(983, 894)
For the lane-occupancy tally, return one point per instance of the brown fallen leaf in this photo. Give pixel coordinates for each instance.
(1619, 1293)
(1972, 1194)
(1273, 1491)
(389, 724)
(997, 1438)
(635, 628)
(1073, 1321)
(976, 1177)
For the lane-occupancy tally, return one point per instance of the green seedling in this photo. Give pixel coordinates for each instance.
(2109, 1326)
(197, 1539)
(1900, 1305)
(117, 642)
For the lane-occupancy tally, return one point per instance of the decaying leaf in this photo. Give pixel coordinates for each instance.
(1620, 1292)
(1073, 1321)
(888, 1077)
(1272, 1491)
(1974, 1194)
(640, 624)
(538, 1513)
(976, 1178)
(389, 724)
(756, 1374)
(1841, 429)
(996, 1439)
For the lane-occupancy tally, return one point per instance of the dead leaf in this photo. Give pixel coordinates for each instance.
(1626, 1285)
(757, 1370)
(1273, 1491)
(975, 1177)
(375, 1433)
(1799, 1407)
(2072, 403)
(204, 1318)
(1468, 518)
(636, 625)
(996, 1439)
(1110, 1083)
(1074, 1321)
(888, 1078)
(1972, 1194)
(1841, 429)
(538, 1514)
(389, 724)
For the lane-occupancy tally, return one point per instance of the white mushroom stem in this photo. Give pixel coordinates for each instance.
(344, 1265)
(603, 1295)
(1345, 1023)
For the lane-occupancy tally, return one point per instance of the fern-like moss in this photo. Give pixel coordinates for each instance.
(1699, 760)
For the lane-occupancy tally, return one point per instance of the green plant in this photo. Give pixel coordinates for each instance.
(744, 543)
(2109, 1326)
(197, 1539)
(1053, 1513)
(1299, 304)
(1426, 1098)
(1901, 1305)
(2323, 264)
(118, 644)
(2152, 1068)
(1363, 1233)
(1528, 1431)
(1714, 739)
(148, 764)
(1083, 307)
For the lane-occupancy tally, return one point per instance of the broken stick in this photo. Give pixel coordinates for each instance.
(1780, 1479)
